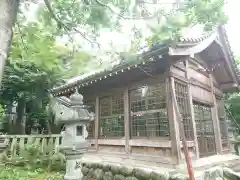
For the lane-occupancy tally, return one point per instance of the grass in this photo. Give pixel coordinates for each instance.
(13, 173)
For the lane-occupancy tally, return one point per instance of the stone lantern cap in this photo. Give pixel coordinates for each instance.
(76, 112)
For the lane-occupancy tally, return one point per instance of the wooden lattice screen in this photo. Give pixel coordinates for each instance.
(204, 128)
(91, 108)
(111, 116)
(182, 97)
(223, 124)
(148, 111)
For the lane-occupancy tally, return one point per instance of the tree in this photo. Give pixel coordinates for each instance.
(9, 9)
(35, 65)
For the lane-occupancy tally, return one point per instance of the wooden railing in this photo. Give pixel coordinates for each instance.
(16, 144)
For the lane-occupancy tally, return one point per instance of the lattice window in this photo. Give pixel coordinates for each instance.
(182, 97)
(204, 128)
(111, 116)
(91, 108)
(222, 123)
(148, 111)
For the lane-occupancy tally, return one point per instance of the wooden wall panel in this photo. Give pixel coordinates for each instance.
(154, 151)
(201, 95)
(177, 71)
(198, 76)
(111, 148)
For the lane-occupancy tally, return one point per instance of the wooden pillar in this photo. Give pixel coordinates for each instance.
(126, 120)
(216, 125)
(97, 121)
(173, 124)
(192, 110)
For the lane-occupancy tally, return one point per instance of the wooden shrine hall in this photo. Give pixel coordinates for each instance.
(134, 117)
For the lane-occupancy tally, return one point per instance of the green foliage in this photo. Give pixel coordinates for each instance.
(33, 66)
(233, 104)
(208, 13)
(33, 158)
(10, 173)
(2, 113)
(94, 16)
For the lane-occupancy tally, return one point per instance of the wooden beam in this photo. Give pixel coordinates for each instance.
(192, 110)
(126, 120)
(173, 124)
(216, 125)
(97, 120)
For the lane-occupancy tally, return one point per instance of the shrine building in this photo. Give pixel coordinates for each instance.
(134, 116)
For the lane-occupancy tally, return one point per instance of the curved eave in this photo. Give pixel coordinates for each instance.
(228, 52)
(183, 50)
(141, 59)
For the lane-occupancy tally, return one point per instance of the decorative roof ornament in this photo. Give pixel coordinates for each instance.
(76, 98)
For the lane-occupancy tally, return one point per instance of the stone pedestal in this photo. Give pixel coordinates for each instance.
(73, 166)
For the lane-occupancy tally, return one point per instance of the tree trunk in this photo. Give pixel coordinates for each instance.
(8, 14)
(21, 116)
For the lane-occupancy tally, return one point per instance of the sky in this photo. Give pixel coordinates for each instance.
(233, 26)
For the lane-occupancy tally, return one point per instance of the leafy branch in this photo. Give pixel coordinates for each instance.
(66, 27)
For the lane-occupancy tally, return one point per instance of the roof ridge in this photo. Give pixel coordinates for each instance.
(199, 39)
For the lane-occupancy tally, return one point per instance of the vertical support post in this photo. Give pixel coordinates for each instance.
(192, 110)
(126, 120)
(216, 125)
(173, 124)
(182, 134)
(97, 120)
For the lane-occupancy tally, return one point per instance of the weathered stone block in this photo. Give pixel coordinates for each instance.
(88, 165)
(98, 174)
(108, 176)
(85, 178)
(213, 173)
(126, 171)
(179, 176)
(131, 178)
(106, 167)
(118, 177)
(229, 174)
(91, 172)
(159, 176)
(141, 174)
(115, 169)
(85, 170)
(95, 166)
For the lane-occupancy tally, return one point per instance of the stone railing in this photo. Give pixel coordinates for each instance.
(16, 144)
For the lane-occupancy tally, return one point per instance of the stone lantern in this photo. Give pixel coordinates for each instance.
(74, 144)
